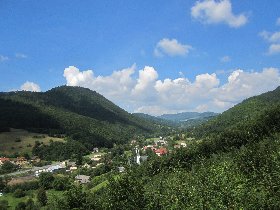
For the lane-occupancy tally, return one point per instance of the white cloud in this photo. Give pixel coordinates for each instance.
(278, 21)
(270, 37)
(3, 58)
(171, 47)
(155, 110)
(146, 80)
(146, 93)
(273, 39)
(30, 86)
(225, 59)
(274, 49)
(20, 55)
(114, 86)
(243, 84)
(214, 12)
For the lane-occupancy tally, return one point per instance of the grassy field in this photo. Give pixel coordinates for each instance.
(14, 201)
(21, 141)
(30, 194)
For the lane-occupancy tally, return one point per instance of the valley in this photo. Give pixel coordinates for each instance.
(222, 151)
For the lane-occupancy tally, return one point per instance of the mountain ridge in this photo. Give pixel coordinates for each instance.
(80, 113)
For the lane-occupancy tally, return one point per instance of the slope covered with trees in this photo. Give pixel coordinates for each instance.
(248, 111)
(234, 165)
(78, 113)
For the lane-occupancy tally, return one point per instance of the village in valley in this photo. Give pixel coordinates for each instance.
(94, 168)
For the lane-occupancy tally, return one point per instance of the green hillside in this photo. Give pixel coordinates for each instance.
(248, 111)
(78, 113)
(235, 164)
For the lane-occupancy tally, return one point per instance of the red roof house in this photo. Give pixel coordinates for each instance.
(161, 151)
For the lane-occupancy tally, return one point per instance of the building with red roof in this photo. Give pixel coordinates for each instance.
(161, 151)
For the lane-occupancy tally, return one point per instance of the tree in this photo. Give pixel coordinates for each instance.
(61, 183)
(8, 167)
(2, 184)
(20, 206)
(30, 205)
(19, 193)
(46, 180)
(42, 197)
(4, 204)
(79, 159)
(75, 197)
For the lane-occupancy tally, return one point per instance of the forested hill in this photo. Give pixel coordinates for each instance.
(232, 163)
(79, 113)
(250, 110)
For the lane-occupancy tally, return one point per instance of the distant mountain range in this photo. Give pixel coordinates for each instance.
(186, 116)
(182, 120)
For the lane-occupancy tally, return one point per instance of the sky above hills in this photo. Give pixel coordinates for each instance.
(146, 56)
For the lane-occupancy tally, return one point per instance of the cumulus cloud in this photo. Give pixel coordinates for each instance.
(30, 86)
(225, 59)
(115, 86)
(142, 91)
(3, 58)
(273, 39)
(171, 47)
(214, 12)
(144, 88)
(242, 84)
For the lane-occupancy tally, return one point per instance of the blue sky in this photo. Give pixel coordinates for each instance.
(207, 41)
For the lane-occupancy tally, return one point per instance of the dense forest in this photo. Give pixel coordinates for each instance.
(233, 164)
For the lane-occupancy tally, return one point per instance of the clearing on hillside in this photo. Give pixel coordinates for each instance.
(22, 141)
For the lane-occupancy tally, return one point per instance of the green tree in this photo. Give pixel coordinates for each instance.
(4, 204)
(79, 159)
(19, 193)
(8, 167)
(61, 183)
(126, 192)
(46, 180)
(2, 184)
(42, 197)
(30, 205)
(75, 197)
(21, 206)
